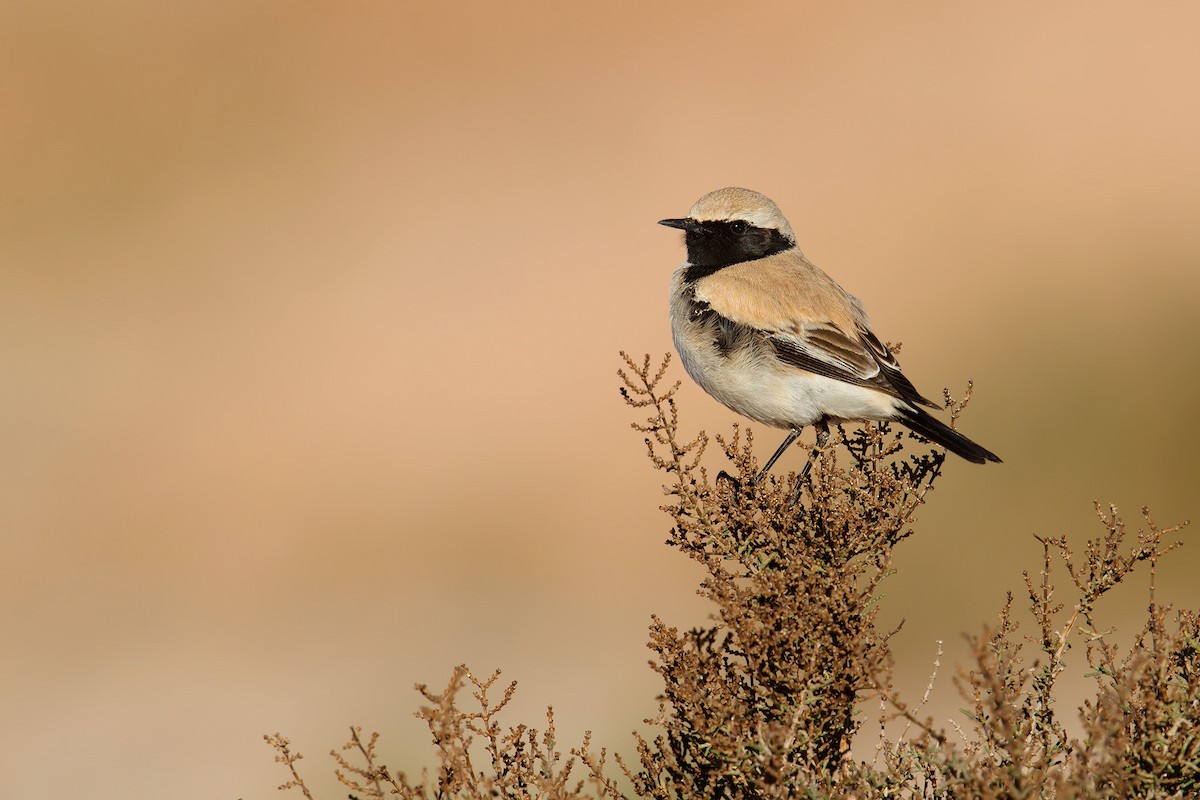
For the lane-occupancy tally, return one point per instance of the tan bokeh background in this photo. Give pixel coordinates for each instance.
(309, 319)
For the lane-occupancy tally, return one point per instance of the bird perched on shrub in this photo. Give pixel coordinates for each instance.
(766, 332)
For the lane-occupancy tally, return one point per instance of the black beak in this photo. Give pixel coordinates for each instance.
(685, 224)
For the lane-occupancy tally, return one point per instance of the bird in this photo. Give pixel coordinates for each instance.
(772, 337)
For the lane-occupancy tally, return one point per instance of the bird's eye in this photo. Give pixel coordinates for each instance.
(737, 226)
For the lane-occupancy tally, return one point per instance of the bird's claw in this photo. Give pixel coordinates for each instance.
(732, 481)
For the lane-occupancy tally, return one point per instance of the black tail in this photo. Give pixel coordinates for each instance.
(933, 430)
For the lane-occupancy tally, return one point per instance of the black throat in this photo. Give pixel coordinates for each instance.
(714, 245)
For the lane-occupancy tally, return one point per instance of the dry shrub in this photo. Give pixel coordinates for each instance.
(764, 700)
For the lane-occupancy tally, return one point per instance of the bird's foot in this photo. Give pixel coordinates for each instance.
(732, 481)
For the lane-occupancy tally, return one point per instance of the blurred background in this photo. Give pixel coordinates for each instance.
(309, 321)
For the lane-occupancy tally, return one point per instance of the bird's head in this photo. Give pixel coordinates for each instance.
(733, 225)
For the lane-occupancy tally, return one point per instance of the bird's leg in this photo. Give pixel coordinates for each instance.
(860, 456)
(787, 442)
(822, 427)
(762, 473)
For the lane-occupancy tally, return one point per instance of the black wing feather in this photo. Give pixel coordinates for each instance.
(862, 361)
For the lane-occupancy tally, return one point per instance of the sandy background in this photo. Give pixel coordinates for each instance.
(309, 319)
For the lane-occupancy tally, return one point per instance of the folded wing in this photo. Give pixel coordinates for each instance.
(862, 360)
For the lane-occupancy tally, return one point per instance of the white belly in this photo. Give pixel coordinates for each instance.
(752, 382)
